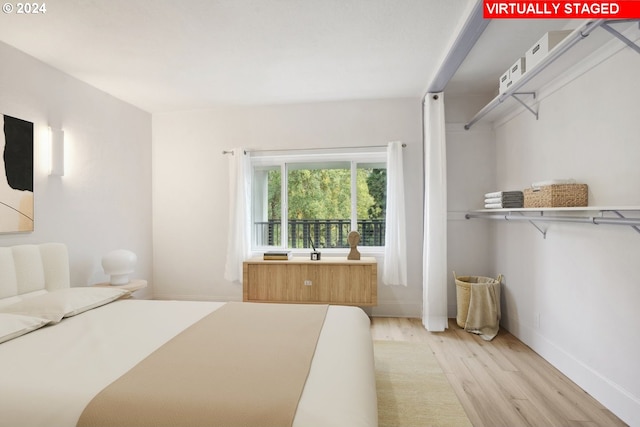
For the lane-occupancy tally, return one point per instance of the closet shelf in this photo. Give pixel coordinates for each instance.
(611, 215)
(570, 209)
(582, 41)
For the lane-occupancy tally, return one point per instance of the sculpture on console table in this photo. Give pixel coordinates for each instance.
(353, 239)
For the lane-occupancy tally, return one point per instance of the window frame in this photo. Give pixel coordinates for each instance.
(281, 158)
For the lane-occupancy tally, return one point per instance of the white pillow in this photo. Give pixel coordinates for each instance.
(61, 303)
(14, 325)
(9, 300)
(12, 300)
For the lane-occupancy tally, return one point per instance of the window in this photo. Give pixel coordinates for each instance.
(303, 198)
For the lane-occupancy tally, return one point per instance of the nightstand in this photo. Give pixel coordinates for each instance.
(132, 286)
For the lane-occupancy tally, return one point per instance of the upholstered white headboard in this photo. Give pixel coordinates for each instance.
(30, 268)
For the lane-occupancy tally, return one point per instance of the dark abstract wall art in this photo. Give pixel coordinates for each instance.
(16, 175)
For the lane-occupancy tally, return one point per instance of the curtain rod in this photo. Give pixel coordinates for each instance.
(307, 149)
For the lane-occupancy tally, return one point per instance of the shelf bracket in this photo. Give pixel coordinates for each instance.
(621, 36)
(531, 110)
(542, 231)
(635, 227)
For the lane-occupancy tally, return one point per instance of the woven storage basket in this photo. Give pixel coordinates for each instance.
(556, 196)
(463, 294)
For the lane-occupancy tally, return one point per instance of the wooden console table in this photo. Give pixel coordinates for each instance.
(300, 280)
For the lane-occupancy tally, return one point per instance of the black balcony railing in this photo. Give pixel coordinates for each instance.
(326, 233)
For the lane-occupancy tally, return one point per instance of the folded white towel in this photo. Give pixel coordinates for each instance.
(493, 206)
(493, 195)
(493, 200)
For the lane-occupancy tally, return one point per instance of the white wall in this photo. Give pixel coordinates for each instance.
(190, 185)
(573, 297)
(471, 173)
(104, 200)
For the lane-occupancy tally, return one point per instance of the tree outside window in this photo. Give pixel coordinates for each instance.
(324, 202)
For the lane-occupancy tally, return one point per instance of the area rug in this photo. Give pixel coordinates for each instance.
(413, 391)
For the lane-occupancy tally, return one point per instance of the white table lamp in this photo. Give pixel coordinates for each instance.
(119, 264)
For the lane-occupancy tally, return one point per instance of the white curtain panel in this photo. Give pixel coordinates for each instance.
(434, 312)
(395, 239)
(239, 243)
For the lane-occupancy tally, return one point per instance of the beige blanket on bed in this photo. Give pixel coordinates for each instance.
(243, 365)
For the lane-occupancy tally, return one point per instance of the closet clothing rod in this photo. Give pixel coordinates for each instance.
(566, 44)
(309, 149)
(630, 222)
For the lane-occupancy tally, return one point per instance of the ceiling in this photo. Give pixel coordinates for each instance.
(501, 44)
(170, 55)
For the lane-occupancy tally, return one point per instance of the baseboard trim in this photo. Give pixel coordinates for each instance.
(614, 397)
(397, 309)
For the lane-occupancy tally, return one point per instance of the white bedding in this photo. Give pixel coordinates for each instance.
(48, 376)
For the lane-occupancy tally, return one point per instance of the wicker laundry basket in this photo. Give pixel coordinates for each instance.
(463, 294)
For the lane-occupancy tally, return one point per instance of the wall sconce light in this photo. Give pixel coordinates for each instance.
(56, 137)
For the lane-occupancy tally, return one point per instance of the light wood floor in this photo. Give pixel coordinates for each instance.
(501, 382)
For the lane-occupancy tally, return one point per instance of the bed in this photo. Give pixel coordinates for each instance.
(54, 370)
